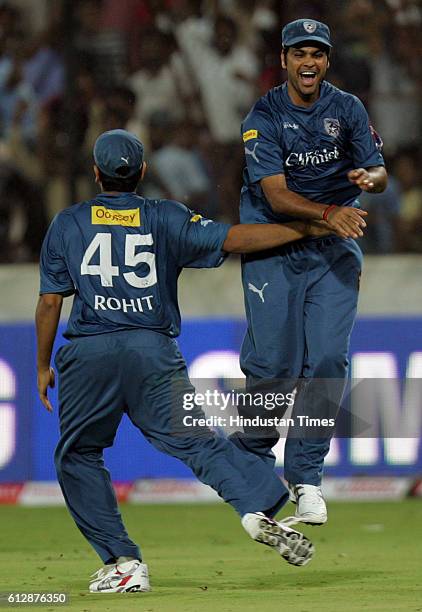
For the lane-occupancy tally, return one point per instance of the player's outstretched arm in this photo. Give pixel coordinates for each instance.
(261, 236)
(46, 320)
(345, 221)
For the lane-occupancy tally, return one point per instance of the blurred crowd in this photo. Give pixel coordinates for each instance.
(182, 74)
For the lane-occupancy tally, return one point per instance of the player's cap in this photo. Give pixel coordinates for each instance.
(303, 30)
(118, 154)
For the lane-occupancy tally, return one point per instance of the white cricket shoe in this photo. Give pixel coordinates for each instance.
(310, 504)
(292, 545)
(128, 577)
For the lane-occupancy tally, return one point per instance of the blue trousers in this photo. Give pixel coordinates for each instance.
(301, 304)
(143, 374)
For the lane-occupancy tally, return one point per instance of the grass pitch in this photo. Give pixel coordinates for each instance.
(368, 557)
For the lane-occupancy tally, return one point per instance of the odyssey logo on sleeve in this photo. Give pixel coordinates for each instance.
(195, 218)
(202, 221)
(100, 215)
(250, 135)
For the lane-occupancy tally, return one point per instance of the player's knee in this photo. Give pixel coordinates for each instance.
(333, 364)
(62, 458)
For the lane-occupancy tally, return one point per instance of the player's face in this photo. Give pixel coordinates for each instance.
(306, 68)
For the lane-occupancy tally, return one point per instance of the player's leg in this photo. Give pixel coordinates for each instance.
(91, 407)
(156, 384)
(273, 348)
(330, 310)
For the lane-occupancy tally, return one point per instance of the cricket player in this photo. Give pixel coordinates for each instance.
(120, 256)
(310, 151)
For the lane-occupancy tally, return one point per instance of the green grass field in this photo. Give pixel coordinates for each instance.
(369, 557)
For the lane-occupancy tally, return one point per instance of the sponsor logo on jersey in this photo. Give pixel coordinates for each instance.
(260, 292)
(292, 126)
(106, 216)
(252, 152)
(312, 158)
(203, 222)
(332, 127)
(250, 135)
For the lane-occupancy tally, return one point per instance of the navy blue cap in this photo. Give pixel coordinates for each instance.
(118, 154)
(303, 30)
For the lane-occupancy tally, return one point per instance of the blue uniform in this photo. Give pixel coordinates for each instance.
(150, 240)
(301, 299)
(121, 255)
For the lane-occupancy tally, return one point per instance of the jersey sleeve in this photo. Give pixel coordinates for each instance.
(263, 152)
(54, 274)
(365, 142)
(195, 241)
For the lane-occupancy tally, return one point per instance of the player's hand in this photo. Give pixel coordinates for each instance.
(46, 378)
(347, 222)
(361, 178)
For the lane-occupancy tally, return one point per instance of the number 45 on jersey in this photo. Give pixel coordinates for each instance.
(106, 271)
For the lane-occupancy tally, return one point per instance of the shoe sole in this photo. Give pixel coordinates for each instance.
(315, 520)
(294, 547)
(135, 589)
(312, 523)
(127, 588)
(132, 589)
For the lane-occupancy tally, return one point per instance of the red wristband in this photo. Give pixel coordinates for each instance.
(327, 211)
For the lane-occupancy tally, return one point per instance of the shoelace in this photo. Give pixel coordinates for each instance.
(314, 495)
(289, 521)
(99, 574)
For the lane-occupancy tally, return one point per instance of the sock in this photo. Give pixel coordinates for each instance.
(121, 560)
(111, 561)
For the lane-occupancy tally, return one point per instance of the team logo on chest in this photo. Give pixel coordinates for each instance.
(332, 127)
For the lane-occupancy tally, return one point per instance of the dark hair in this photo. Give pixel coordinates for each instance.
(126, 183)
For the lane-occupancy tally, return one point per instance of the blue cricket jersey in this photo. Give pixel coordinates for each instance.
(121, 256)
(313, 147)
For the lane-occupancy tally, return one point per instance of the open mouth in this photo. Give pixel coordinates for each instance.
(308, 77)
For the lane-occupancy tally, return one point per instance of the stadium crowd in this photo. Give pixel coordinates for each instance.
(182, 74)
